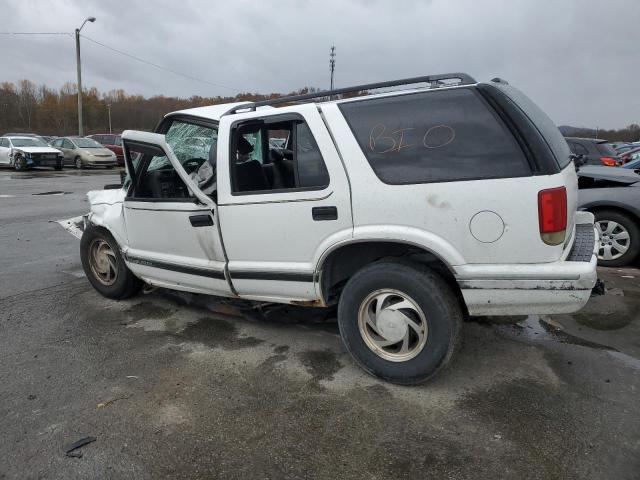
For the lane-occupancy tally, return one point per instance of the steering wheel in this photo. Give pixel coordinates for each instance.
(193, 164)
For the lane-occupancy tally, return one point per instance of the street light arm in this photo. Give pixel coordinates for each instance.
(88, 19)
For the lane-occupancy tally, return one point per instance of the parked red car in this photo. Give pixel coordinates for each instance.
(112, 142)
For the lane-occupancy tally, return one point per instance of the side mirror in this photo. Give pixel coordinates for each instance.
(117, 186)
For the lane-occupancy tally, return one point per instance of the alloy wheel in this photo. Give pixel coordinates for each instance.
(103, 262)
(614, 240)
(392, 325)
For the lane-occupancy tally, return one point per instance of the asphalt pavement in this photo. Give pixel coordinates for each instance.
(180, 386)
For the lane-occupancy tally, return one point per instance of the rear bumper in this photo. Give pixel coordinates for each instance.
(558, 287)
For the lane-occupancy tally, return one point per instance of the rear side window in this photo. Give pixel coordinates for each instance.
(276, 154)
(577, 148)
(543, 123)
(437, 136)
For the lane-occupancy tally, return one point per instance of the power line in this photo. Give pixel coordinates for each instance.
(158, 66)
(35, 33)
(142, 60)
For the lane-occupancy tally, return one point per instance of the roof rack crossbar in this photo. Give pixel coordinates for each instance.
(434, 80)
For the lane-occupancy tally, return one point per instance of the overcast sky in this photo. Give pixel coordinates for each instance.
(578, 59)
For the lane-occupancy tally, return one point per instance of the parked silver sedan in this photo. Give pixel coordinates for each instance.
(84, 152)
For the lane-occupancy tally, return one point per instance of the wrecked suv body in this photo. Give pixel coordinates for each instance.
(408, 209)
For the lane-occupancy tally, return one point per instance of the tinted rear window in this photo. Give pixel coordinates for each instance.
(607, 150)
(435, 136)
(543, 123)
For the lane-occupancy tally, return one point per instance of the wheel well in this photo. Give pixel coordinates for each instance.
(615, 208)
(343, 262)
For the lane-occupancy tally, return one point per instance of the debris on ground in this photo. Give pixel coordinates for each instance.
(109, 402)
(70, 451)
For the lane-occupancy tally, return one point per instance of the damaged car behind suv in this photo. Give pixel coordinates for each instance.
(613, 196)
(407, 209)
(22, 153)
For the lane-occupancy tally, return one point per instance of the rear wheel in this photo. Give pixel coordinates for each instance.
(399, 323)
(104, 266)
(619, 238)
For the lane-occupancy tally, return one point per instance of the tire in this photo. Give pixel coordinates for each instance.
(78, 163)
(111, 278)
(423, 292)
(19, 163)
(58, 167)
(614, 226)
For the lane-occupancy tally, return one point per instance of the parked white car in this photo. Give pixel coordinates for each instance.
(27, 152)
(408, 209)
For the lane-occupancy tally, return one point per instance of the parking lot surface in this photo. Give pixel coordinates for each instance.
(179, 386)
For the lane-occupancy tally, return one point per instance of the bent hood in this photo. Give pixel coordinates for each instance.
(37, 150)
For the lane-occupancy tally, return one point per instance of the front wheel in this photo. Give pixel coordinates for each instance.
(619, 238)
(78, 163)
(104, 266)
(20, 164)
(400, 323)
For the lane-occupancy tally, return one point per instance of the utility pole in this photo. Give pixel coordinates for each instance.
(332, 63)
(80, 128)
(109, 111)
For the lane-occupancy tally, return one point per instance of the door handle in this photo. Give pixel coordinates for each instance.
(201, 220)
(320, 214)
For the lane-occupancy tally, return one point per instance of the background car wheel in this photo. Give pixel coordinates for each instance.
(20, 163)
(78, 163)
(399, 323)
(619, 238)
(104, 266)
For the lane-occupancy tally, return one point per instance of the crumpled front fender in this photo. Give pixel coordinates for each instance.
(107, 211)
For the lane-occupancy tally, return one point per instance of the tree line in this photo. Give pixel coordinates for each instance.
(630, 133)
(26, 107)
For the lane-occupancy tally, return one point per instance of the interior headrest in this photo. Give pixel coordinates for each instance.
(244, 147)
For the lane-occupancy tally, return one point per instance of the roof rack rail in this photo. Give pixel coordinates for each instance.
(434, 80)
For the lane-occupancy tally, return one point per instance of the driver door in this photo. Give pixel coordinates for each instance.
(173, 237)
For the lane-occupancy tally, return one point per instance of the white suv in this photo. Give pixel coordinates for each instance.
(409, 209)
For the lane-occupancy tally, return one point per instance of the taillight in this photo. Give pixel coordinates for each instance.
(608, 161)
(552, 215)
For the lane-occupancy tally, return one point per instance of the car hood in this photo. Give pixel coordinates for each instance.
(97, 151)
(624, 176)
(37, 149)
